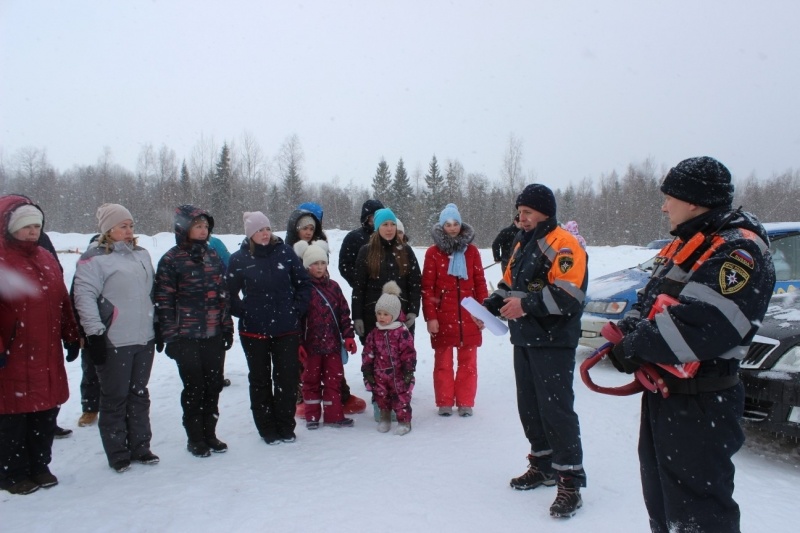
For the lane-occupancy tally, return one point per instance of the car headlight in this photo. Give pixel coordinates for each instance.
(606, 307)
(790, 361)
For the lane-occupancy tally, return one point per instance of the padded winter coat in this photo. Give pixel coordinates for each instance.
(442, 293)
(35, 317)
(191, 293)
(388, 354)
(325, 326)
(274, 286)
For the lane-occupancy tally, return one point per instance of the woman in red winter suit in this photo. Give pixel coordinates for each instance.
(452, 271)
(35, 316)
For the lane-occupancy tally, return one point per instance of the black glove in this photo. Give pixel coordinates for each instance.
(494, 302)
(408, 376)
(73, 350)
(369, 377)
(159, 338)
(227, 340)
(96, 348)
(621, 362)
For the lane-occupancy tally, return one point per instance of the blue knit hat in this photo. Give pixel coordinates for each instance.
(381, 216)
(450, 212)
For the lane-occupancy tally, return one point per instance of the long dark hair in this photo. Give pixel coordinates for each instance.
(375, 255)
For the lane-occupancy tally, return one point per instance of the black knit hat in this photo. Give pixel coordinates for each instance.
(701, 181)
(538, 197)
(368, 208)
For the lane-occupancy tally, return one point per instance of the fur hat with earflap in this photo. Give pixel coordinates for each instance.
(389, 302)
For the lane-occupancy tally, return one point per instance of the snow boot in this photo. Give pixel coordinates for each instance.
(87, 419)
(343, 423)
(539, 473)
(45, 479)
(385, 423)
(198, 448)
(464, 411)
(568, 500)
(123, 465)
(445, 410)
(210, 432)
(24, 486)
(377, 412)
(402, 428)
(195, 433)
(62, 433)
(147, 458)
(312, 424)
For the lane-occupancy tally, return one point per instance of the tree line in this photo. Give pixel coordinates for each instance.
(611, 209)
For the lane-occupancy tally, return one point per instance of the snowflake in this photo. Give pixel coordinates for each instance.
(732, 280)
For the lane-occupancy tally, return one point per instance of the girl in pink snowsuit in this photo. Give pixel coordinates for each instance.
(389, 361)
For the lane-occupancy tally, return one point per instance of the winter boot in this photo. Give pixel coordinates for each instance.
(568, 499)
(343, 423)
(539, 473)
(195, 433)
(376, 411)
(210, 432)
(45, 479)
(198, 448)
(87, 419)
(62, 433)
(464, 411)
(445, 410)
(402, 428)
(23, 486)
(385, 423)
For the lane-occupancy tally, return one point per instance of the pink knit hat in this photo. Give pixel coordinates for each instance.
(109, 215)
(254, 221)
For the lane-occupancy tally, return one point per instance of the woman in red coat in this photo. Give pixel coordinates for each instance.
(36, 316)
(453, 271)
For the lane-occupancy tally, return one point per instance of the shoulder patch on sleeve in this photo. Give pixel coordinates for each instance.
(743, 257)
(732, 278)
(565, 262)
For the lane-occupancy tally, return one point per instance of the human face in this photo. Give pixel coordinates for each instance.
(529, 218)
(122, 232)
(387, 230)
(29, 233)
(199, 230)
(318, 270)
(262, 236)
(679, 211)
(384, 318)
(306, 232)
(451, 228)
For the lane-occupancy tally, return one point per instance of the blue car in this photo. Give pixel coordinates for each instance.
(609, 297)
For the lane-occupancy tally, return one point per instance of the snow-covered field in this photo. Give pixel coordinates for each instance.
(448, 474)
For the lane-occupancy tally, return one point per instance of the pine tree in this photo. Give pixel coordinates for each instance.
(401, 196)
(290, 163)
(454, 178)
(382, 182)
(185, 185)
(435, 195)
(221, 191)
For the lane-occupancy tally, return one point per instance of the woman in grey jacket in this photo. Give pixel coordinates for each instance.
(114, 301)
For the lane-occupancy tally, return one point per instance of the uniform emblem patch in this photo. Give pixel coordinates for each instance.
(744, 258)
(565, 259)
(732, 278)
(536, 285)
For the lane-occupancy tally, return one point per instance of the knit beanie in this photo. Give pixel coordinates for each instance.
(701, 181)
(24, 215)
(109, 215)
(389, 302)
(304, 221)
(450, 212)
(254, 221)
(368, 208)
(381, 216)
(313, 208)
(400, 227)
(539, 198)
(314, 253)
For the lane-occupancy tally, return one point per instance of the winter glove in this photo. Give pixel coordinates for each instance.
(358, 326)
(227, 340)
(621, 362)
(302, 355)
(73, 350)
(494, 303)
(410, 319)
(350, 345)
(408, 377)
(159, 338)
(96, 348)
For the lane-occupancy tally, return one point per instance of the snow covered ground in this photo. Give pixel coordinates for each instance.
(448, 474)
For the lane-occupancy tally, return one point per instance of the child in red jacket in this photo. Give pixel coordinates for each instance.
(389, 361)
(327, 332)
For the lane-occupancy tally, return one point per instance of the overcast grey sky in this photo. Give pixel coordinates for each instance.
(587, 86)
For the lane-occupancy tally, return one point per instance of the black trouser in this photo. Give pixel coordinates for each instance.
(686, 443)
(545, 401)
(200, 365)
(90, 385)
(274, 373)
(26, 443)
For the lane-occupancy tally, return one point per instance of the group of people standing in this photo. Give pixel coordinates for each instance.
(292, 316)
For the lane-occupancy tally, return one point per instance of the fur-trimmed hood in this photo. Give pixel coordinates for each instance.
(448, 244)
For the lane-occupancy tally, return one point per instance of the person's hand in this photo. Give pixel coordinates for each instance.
(302, 355)
(478, 322)
(358, 326)
(96, 348)
(369, 378)
(227, 340)
(410, 319)
(512, 309)
(433, 326)
(159, 338)
(350, 345)
(73, 350)
(408, 377)
(494, 302)
(621, 362)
